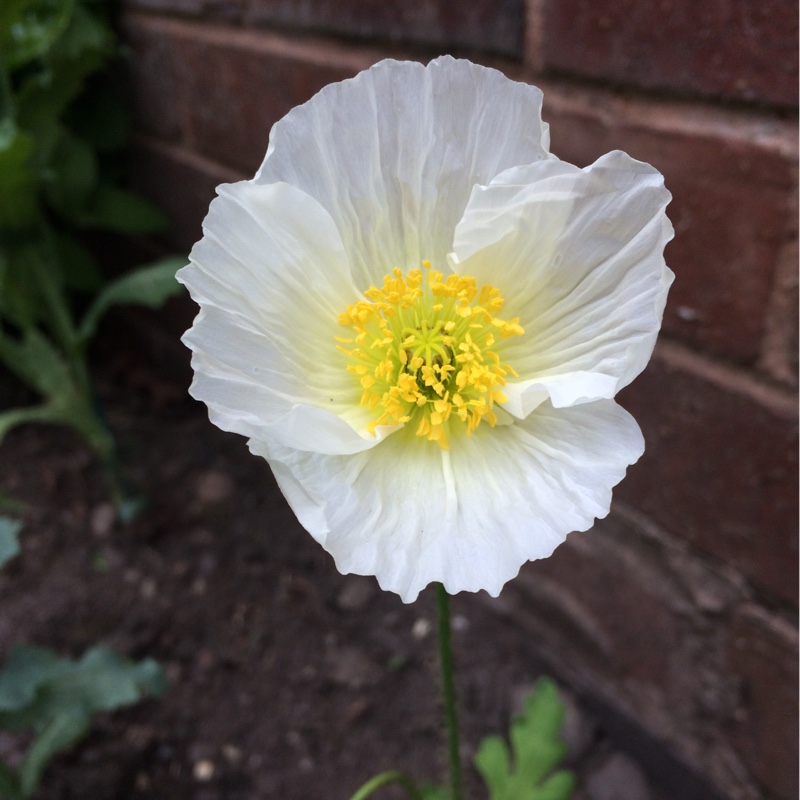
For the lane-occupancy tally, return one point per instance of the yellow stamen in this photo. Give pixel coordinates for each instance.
(424, 352)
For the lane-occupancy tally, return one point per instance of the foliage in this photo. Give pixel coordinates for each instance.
(9, 545)
(54, 698)
(63, 125)
(537, 751)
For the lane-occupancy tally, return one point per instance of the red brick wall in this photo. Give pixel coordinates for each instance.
(679, 612)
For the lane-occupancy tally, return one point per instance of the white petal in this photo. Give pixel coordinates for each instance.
(393, 154)
(410, 513)
(578, 255)
(271, 277)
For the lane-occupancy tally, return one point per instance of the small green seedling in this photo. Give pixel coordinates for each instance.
(529, 772)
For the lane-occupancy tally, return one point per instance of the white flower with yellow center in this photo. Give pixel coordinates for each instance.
(420, 318)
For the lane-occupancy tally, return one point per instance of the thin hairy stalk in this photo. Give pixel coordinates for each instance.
(448, 690)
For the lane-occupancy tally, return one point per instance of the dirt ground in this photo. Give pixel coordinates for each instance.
(287, 679)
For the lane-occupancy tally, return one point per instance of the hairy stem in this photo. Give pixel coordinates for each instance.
(448, 690)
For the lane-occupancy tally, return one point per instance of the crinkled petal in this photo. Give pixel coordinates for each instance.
(578, 255)
(393, 154)
(410, 513)
(271, 277)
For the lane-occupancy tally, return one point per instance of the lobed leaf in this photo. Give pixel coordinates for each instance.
(527, 772)
(55, 698)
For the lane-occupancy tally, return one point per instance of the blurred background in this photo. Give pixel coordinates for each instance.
(672, 626)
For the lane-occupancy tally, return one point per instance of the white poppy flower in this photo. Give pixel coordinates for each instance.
(420, 318)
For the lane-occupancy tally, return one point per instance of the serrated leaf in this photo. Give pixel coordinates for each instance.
(527, 773)
(148, 286)
(9, 538)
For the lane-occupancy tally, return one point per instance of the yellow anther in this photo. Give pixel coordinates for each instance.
(421, 350)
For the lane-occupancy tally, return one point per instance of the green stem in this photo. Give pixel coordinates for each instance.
(448, 690)
(384, 779)
(44, 264)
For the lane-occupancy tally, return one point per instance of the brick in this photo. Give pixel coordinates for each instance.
(588, 607)
(233, 84)
(720, 465)
(733, 180)
(155, 82)
(737, 50)
(493, 26)
(762, 654)
(629, 615)
(181, 183)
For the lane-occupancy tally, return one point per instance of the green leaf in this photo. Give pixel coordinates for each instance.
(55, 697)
(29, 28)
(119, 210)
(430, 792)
(80, 269)
(9, 542)
(106, 680)
(36, 685)
(149, 286)
(20, 299)
(12, 504)
(86, 35)
(27, 668)
(18, 181)
(62, 732)
(537, 749)
(45, 94)
(102, 114)
(38, 363)
(71, 177)
(20, 416)
(9, 785)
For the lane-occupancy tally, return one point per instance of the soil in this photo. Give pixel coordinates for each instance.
(287, 679)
